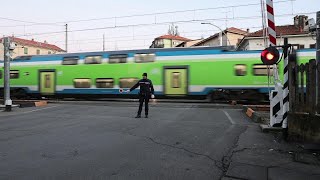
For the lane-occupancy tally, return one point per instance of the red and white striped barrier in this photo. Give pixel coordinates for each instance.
(271, 24)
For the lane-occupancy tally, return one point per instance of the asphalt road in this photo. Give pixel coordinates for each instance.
(103, 141)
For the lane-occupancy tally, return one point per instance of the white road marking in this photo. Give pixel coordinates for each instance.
(228, 116)
(29, 111)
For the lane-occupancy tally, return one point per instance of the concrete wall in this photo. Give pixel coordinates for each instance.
(304, 127)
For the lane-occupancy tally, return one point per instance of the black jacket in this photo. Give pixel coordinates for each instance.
(146, 87)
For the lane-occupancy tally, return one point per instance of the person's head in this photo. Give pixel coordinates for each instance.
(144, 75)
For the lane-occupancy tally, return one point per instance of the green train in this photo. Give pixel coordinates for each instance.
(201, 72)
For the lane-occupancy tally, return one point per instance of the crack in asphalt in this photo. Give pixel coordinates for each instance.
(226, 159)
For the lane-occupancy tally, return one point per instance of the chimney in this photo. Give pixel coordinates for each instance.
(300, 21)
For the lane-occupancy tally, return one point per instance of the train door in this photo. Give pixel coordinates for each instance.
(47, 82)
(176, 80)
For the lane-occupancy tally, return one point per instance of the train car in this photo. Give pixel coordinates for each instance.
(202, 72)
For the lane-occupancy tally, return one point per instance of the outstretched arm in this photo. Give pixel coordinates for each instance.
(135, 86)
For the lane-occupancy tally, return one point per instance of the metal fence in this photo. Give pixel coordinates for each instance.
(303, 87)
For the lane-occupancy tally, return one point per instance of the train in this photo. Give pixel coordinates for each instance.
(216, 73)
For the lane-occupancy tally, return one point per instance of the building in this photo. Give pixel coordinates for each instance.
(26, 47)
(297, 34)
(230, 37)
(168, 41)
(189, 43)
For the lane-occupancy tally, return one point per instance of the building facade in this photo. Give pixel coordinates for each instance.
(297, 35)
(26, 47)
(230, 37)
(168, 41)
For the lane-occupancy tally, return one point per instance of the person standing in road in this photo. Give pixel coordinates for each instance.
(146, 91)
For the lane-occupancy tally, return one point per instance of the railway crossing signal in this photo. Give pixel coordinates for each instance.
(270, 56)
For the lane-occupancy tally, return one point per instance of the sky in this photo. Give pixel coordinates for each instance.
(134, 24)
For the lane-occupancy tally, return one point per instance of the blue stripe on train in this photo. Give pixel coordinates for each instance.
(116, 91)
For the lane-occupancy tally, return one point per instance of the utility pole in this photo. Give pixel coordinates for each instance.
(66, 37)
(7, 100)
(318, 36)
(104, 41)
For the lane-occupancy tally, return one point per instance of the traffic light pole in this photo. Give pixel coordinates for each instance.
(7, 100)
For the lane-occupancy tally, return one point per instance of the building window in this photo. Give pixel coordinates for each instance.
(176, 80)
(82, 83)
(93, 60)
(38, 51)
(262, 70)
(49, 52)
(240, 70)
(70, 60)
(301, 46)
(312, 46)
(118, 58)
(14, 74)
(127, 82)
(143, 58)
(25, 50)
(104, 83)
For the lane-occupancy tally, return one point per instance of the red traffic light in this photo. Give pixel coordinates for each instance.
(270, 56)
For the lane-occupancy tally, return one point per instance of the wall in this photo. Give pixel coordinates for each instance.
(304, 127)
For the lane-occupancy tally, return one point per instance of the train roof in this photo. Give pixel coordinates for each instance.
(157, 51)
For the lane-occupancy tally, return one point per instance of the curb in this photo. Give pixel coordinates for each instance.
(33, 104)
(252, 114)
(266, 128)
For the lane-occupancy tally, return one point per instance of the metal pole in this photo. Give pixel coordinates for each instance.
(220, 34)
(318, 60)
(66, 37)
(104, 41)
(7, 100)
(318, 36)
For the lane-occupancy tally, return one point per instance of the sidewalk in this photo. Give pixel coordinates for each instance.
(259, 155)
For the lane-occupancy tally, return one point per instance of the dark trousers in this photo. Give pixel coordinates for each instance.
(145, 99)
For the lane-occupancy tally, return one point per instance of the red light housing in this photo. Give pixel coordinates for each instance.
(270, 56)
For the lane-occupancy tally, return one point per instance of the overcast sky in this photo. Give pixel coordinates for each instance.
(45, 20)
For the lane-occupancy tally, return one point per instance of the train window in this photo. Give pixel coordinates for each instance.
(118, 58)
(93, 60)
(176, 80)
(262, 70)
(143, 58)
(104, 83)
(0, 74)
(14, 74)
(70, 60)
(240, 69)
(82, 83)
(128, 82)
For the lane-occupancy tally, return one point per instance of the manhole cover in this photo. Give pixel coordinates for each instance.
(307, 158)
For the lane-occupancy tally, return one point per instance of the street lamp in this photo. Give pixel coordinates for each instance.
(220, 34)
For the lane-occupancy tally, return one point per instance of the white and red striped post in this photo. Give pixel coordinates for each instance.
(276, 96)
(271, 24)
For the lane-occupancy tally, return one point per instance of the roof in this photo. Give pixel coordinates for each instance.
(168, 36)
(35, 44)
(189, 43)
(281, 30)
(231, 30)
